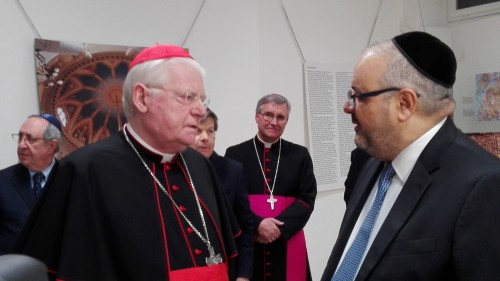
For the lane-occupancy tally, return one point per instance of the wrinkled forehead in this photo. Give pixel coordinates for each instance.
(33, 125)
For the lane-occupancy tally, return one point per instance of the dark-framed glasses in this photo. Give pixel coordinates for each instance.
(352, 96)
(269, 117)
(27, 138)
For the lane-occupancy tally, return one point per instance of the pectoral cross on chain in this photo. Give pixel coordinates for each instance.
(271, 201)
(213, 259)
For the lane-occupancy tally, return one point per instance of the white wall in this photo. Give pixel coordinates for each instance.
(248, 50)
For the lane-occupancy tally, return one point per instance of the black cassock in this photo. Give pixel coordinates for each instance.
(295, 184)
(105, 218)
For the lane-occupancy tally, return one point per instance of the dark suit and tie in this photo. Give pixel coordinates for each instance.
(230, 175)
(439, 218)
(22, 184)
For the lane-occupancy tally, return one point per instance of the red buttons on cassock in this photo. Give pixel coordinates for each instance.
(175, 187)
(189, 230)
(268, 160)
(268, 170)
(267, 150)
(168, 167)
(182, 208)
(198, 252)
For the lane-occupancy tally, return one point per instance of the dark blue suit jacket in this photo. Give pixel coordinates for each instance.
(16, 202)
(444, 223)
(230, 174)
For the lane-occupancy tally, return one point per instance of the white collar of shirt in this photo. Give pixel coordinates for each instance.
(267, 144)
(403, 165)
(165, 156)
(45, 172)
(406, 159)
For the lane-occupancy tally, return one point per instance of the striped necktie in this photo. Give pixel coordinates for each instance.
(37, 184)
(349, 266)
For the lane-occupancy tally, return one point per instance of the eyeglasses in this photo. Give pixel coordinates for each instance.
(187, 98)
(269, 117)
(190, 98)
(210, 132)
(352, 96)
(27, 138)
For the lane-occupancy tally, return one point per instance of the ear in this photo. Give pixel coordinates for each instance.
(407, 103)
(53, 146)
(140, 97)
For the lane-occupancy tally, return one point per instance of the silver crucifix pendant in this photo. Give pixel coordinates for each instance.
(271, 201)
(213, 259)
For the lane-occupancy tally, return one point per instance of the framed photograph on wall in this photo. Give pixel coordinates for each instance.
(464, 9)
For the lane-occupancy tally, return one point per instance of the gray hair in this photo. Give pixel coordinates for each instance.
(401, 73)
(274, 98)
(152, 73)
(51, 133)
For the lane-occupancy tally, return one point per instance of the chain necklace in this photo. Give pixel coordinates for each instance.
(213, 258)
(271, 199)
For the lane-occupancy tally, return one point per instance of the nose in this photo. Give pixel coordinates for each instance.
(22, 142)
(199, 109)
(203, 135)
(348, 108)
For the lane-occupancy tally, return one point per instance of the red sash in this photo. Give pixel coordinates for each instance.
(296, 263)
(216, 272)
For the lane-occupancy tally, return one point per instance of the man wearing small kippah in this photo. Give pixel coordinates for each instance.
(426, 206)
(22, 184)
(141, 204)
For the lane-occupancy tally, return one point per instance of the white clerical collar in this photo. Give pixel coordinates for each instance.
(165, 156)
(267, 144)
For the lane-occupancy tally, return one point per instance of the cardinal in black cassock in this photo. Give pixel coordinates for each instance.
(139, 205)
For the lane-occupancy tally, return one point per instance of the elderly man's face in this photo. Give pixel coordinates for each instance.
(271, 121)
(171, 120)
(33, 151)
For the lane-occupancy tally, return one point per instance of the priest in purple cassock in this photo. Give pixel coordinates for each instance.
(282, 190)
(140, 204)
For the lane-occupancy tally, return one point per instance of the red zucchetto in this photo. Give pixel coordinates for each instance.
(159, 52)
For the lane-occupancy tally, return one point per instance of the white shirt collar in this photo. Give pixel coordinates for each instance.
(406, 159)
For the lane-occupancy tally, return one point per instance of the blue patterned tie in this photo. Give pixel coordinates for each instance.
(37, 184)
(349, 266)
